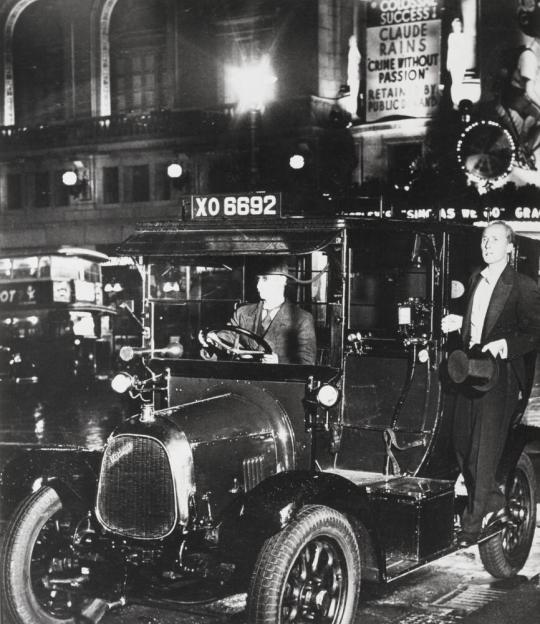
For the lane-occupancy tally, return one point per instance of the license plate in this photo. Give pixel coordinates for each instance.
(235, 206)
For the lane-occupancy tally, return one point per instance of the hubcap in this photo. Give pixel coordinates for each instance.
(316, 588)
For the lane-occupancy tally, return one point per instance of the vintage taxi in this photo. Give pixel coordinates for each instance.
(293, 483)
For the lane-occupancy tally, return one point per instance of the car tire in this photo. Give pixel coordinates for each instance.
(504, 554)
(309, 571)
(27, 551)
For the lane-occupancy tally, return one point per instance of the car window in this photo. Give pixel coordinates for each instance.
(205, 294)
(388, 269)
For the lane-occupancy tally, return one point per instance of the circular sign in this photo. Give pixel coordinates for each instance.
(486, 152)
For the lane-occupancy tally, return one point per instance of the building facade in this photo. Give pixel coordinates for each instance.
(113, 92)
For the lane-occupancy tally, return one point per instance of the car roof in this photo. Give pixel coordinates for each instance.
(273, 236)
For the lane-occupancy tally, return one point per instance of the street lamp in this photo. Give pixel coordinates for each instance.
(252, 86)
(175, 170)
(76, 178)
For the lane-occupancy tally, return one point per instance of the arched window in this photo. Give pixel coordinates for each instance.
(137, 52)
(39, 64)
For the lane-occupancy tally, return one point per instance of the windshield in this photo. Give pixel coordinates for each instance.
(210, 293)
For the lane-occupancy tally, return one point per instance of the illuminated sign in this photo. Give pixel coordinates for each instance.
(230, 206)
(460, 215)
(23, 294)
(403, 59)
(485, 152)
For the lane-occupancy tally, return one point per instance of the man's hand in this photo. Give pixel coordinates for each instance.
(451, 322)
(201, 339)
(497, 348)
(270, 358)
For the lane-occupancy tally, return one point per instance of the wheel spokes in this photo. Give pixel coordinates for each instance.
(519, 506)
(53, 553)
(316, 586)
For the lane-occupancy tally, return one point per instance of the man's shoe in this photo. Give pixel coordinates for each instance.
(465, 539)
(495, 517)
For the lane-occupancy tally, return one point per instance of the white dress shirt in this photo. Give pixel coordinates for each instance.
(271, 312)
(481, 299)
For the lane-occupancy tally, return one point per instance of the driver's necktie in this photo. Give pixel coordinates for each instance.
(266, 319)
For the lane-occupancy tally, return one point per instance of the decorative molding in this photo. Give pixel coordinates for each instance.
(7, 54)
(105, 58)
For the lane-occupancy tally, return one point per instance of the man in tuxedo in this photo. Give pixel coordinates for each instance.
(503, 318)
(286, 327)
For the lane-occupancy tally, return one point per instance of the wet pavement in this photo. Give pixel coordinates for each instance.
(453, 589)
(74, 414)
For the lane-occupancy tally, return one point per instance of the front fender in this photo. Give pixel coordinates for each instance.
(73, 473)
(274, 503)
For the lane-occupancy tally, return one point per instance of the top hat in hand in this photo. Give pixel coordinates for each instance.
(476, 369)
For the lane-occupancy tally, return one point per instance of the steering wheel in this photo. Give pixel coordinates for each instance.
(214, 344)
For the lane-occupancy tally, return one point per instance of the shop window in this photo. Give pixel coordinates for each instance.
(14, 191)
(136, 183)
(162, 182)
(42, 189)
(61, 191)
(111, 189)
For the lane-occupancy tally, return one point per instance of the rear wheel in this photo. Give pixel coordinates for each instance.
(309, 572)
(505, 553)
(37, 546)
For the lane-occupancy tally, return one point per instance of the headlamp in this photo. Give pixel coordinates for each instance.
(327, 395)
(121, 383)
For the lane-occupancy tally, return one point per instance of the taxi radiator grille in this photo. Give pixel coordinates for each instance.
(136, 490)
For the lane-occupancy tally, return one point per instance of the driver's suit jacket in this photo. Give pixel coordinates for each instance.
(291, 334)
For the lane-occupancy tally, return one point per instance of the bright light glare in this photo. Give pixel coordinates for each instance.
(297, 161)
(113, 287)
(121, 383)
(175, 170)
(252, 85)
(69, 178)
(327, 395)
(171, 287)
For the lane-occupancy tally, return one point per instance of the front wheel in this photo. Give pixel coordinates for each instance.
(505, 553)
(308, 572)
(38, 543)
